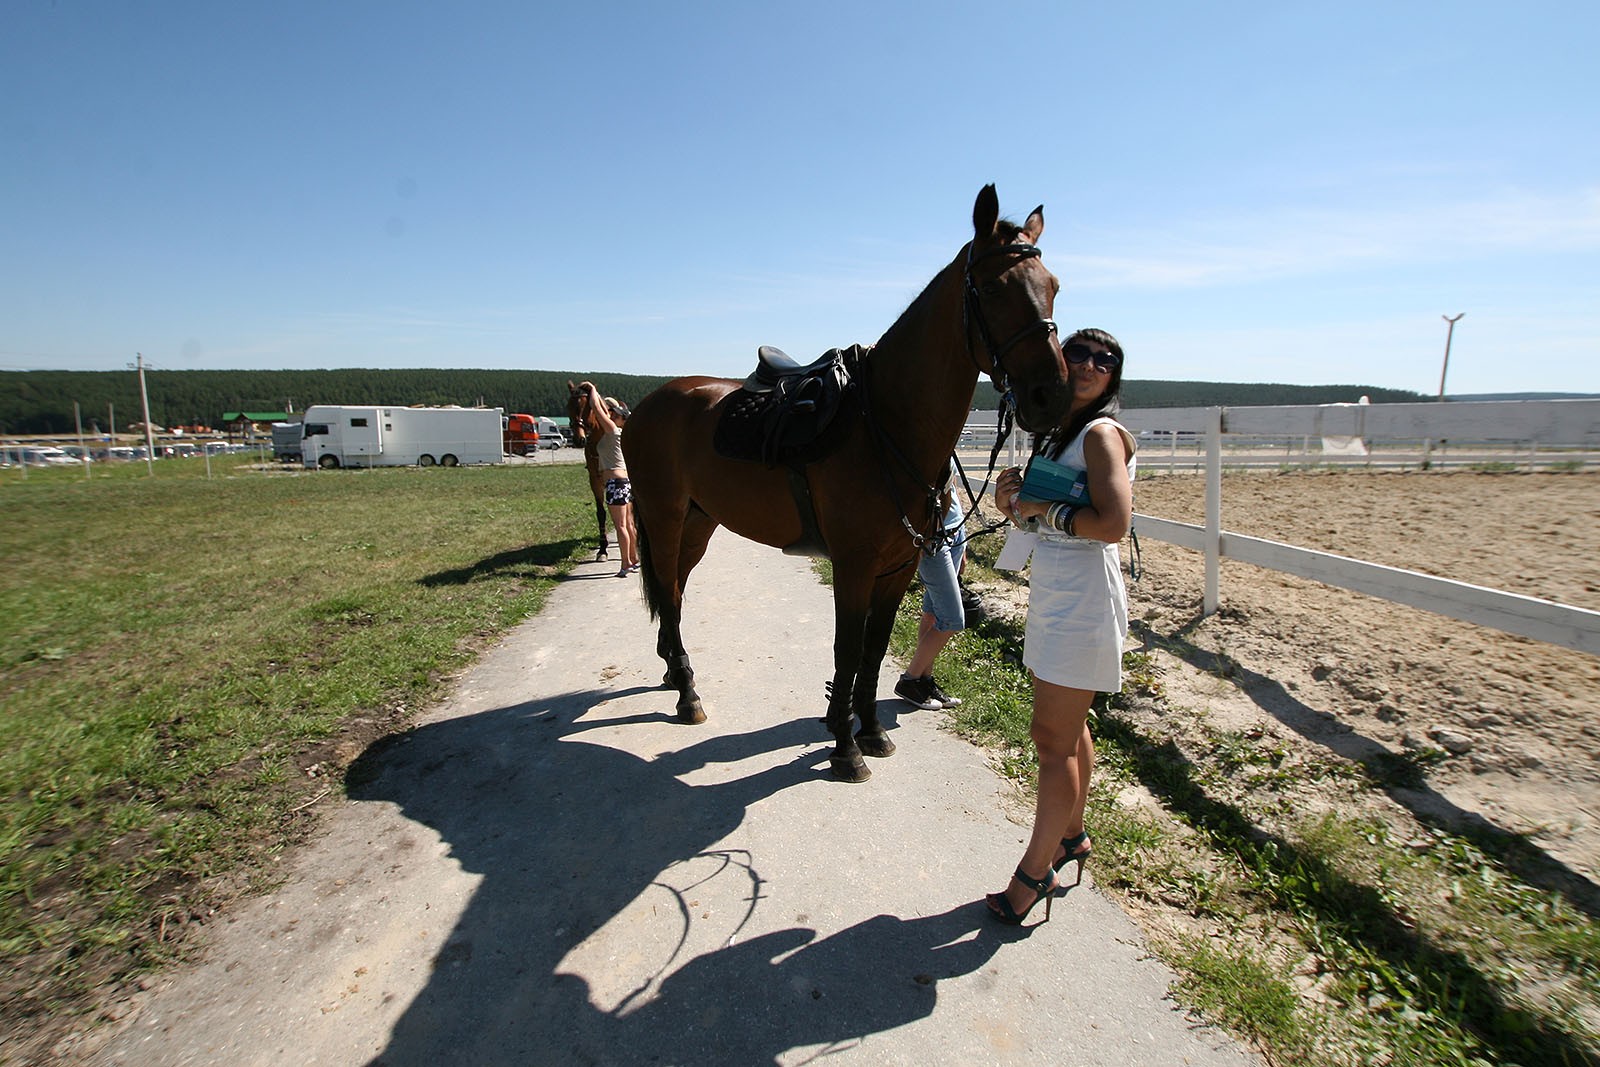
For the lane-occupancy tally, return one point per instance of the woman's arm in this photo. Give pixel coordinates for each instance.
(597, 403)
(1105, 454)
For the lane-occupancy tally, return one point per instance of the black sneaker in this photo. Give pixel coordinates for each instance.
(945, 699)
(918, 691)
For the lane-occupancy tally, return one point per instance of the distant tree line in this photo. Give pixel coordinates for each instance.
(41, 402)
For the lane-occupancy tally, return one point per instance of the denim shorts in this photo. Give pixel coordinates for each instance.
(941, 593)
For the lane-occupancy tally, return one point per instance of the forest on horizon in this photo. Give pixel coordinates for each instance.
(41, 402)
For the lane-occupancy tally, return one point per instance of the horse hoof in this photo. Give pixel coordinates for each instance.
(691, 713)
(849, 768)
(876, 745)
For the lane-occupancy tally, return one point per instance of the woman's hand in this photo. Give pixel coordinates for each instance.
(1006, 489)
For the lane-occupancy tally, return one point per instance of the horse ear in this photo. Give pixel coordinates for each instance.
(985, 212)
(1035, 225)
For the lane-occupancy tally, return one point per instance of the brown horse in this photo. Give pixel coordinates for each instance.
(582, 432)
(876, 497)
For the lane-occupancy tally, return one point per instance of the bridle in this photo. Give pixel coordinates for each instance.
(972, 315)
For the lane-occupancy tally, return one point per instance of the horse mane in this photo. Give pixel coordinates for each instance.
(1005, 231)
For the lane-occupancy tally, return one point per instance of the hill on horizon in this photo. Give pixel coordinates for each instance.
(42, 402)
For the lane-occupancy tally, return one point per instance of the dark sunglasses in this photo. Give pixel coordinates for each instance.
(1105, 361)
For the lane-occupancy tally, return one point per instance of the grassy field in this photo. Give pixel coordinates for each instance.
(182, 657)
(188, 662)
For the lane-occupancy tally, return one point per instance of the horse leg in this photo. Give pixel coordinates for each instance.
(886, 596)
(599, 493)
(600, 520)
(694, 533)
(849, 619)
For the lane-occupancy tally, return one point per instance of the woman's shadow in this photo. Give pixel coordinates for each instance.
(566, 833)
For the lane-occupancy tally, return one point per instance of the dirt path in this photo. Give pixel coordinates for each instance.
(550, 869)
(1517, 721)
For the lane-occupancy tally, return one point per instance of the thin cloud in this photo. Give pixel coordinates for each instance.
(1257, 247)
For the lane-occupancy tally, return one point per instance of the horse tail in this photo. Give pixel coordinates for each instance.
(654, 595)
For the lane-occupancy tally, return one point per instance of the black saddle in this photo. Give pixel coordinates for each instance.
(774, 366)
(788, 413)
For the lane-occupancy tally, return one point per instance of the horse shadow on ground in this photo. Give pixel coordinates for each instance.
(537, 561)
(565, 833)
(1395, 775)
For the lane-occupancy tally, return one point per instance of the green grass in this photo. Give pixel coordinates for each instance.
(177, 651)
(179, 654)
(1321, 939)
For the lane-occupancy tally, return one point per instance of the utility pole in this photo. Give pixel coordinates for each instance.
(1447, 337)
(149, 437)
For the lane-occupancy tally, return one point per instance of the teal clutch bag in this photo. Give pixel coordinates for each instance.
(1045, 479)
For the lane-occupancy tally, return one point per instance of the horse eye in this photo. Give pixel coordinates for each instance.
(991, 288)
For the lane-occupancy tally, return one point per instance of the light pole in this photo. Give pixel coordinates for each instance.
(149, 435)
(1452, 332)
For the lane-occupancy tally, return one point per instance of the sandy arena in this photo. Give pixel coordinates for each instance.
(1519, 719)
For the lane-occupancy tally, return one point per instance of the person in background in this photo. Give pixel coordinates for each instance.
(1078, 495)
(610, 415)
(943, 612)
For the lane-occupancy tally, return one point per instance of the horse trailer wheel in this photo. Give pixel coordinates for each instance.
(447, 460)
(328, 463)
(424, 460)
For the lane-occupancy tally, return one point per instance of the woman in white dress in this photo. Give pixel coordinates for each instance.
(1076, 496)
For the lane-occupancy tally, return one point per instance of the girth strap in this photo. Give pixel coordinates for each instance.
(811, 542)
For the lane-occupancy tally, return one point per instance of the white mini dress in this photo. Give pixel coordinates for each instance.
(1077, 604)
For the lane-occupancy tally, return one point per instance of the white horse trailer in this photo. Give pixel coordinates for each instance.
(351, 436)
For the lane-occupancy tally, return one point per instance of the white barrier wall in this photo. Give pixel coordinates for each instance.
(1557, 423)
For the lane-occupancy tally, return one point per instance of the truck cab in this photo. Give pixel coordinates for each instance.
(521, 434)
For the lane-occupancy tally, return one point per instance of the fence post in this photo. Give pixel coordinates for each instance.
(1213, 509)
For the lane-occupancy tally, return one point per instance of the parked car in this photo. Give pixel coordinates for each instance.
(552, 439)
(39, 456)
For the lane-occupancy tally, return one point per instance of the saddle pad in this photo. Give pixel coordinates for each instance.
(754, 428)
(739, 429)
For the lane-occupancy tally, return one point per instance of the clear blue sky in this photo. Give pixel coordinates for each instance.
(1265, 191)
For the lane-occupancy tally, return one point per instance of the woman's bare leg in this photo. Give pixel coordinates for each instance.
(1060, 732)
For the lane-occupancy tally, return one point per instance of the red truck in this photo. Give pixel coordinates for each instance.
(521, 434)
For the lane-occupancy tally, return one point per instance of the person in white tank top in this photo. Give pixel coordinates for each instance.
(1080, 503)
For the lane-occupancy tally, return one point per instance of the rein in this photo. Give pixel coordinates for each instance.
(886, 448)
(938, 537)
(971, 315)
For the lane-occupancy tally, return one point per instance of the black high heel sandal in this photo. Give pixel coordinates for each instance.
(1001, 910)
(1071, 844)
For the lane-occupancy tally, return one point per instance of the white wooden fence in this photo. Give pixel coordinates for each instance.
(1556, 423)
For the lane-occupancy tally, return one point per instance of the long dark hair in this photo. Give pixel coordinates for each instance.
(1053, 443)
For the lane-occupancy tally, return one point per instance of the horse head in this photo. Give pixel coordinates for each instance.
(1009, 304)
(577, 413)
